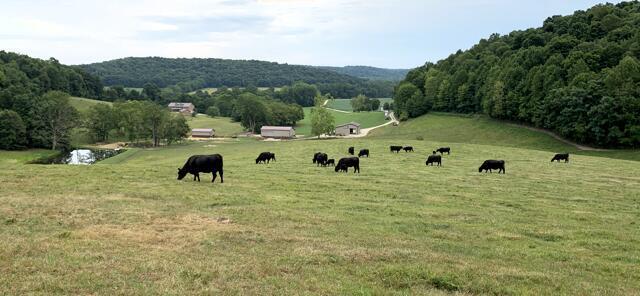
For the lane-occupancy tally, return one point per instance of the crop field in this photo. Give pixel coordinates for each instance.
(290, 227)
(345, 104)
(83, 104)
(365, 119)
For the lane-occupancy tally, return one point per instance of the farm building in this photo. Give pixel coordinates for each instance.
(184, 108)
(277, 132)
(202, 133)
(351, 128)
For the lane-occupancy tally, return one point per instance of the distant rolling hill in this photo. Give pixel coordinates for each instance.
(371, 73)
(196, 73)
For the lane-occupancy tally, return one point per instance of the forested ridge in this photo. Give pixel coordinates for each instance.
(372, 73)
(577, 75)
(190, 74)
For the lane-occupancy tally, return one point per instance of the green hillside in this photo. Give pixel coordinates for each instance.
(83, 104)
(577, 75)
(223, 126)
(447, 129)
(397, 228)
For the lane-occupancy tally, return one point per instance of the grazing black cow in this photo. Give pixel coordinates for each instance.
(395, 149)
(434, 158)
(265, 157)
(331, 162)
(408, 149)
(561, 156)
(352, 151)
(345, 163)
(490, 165)
(442, 150)
(320, 158)
(202, 164)
(363, 152)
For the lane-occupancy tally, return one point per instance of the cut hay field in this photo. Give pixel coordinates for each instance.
(83, 104)
(223, 126)
(127, 226)
(345, 104)
(365, 119)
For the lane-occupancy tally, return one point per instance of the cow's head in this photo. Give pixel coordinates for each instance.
(181, 173)
(257, 160)
(338, 167)
(480, 169)
(273, 156)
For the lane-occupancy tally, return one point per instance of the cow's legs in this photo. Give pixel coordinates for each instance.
(221, 178)
(214, 176)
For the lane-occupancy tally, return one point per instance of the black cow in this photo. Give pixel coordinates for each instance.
(320, 158)
(490, 165)
(352, 151)
(202, 164)
(442, 150)
(265, 157)
(434, 158)
(395, 149)
(331, 162)
(561, 156)
(363, 152)
(408, 149)
(345, 163)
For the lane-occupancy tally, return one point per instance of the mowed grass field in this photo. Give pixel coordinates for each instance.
(345, 104)
(365, 119)
(223, 126)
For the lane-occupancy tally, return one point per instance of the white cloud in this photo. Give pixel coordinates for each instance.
(330, 32)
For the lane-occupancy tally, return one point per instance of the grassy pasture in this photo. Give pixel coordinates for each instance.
(127, 226)
(223, 126)
(83, 104)
(447, 128)
(365, 119)
(345, 104)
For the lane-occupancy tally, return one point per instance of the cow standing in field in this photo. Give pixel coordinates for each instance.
(331, 162)
(197, 164)
(345, 163)
(442, 150)
(363, 152)
(320, 158)
(395, 149)
(561, 156)
(490, 165)
(265, 157)
(408, 149)
(434, 158)
(352, 151)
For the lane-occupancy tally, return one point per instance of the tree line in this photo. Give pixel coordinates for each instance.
(34, 100)
(577, 75)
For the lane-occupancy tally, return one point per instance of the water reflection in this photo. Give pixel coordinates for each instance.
(81, 156)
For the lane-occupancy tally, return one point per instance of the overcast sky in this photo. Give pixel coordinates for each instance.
(383, 33)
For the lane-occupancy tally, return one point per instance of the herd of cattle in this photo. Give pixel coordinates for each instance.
(197, 164)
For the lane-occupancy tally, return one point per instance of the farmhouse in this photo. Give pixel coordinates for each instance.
(202, 132)
(282, 132)
(184, 108)
(351, 128)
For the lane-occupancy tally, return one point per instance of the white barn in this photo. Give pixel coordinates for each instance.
(282, 132)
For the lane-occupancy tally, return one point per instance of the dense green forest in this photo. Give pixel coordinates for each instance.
(34, 100)
(371, 73)
(577, 75)
(190, 74)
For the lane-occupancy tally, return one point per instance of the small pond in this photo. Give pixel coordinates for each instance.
(80, 156)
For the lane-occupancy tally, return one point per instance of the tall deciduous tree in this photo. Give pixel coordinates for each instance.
(322, 121)
(12, 131)
(59, 117)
